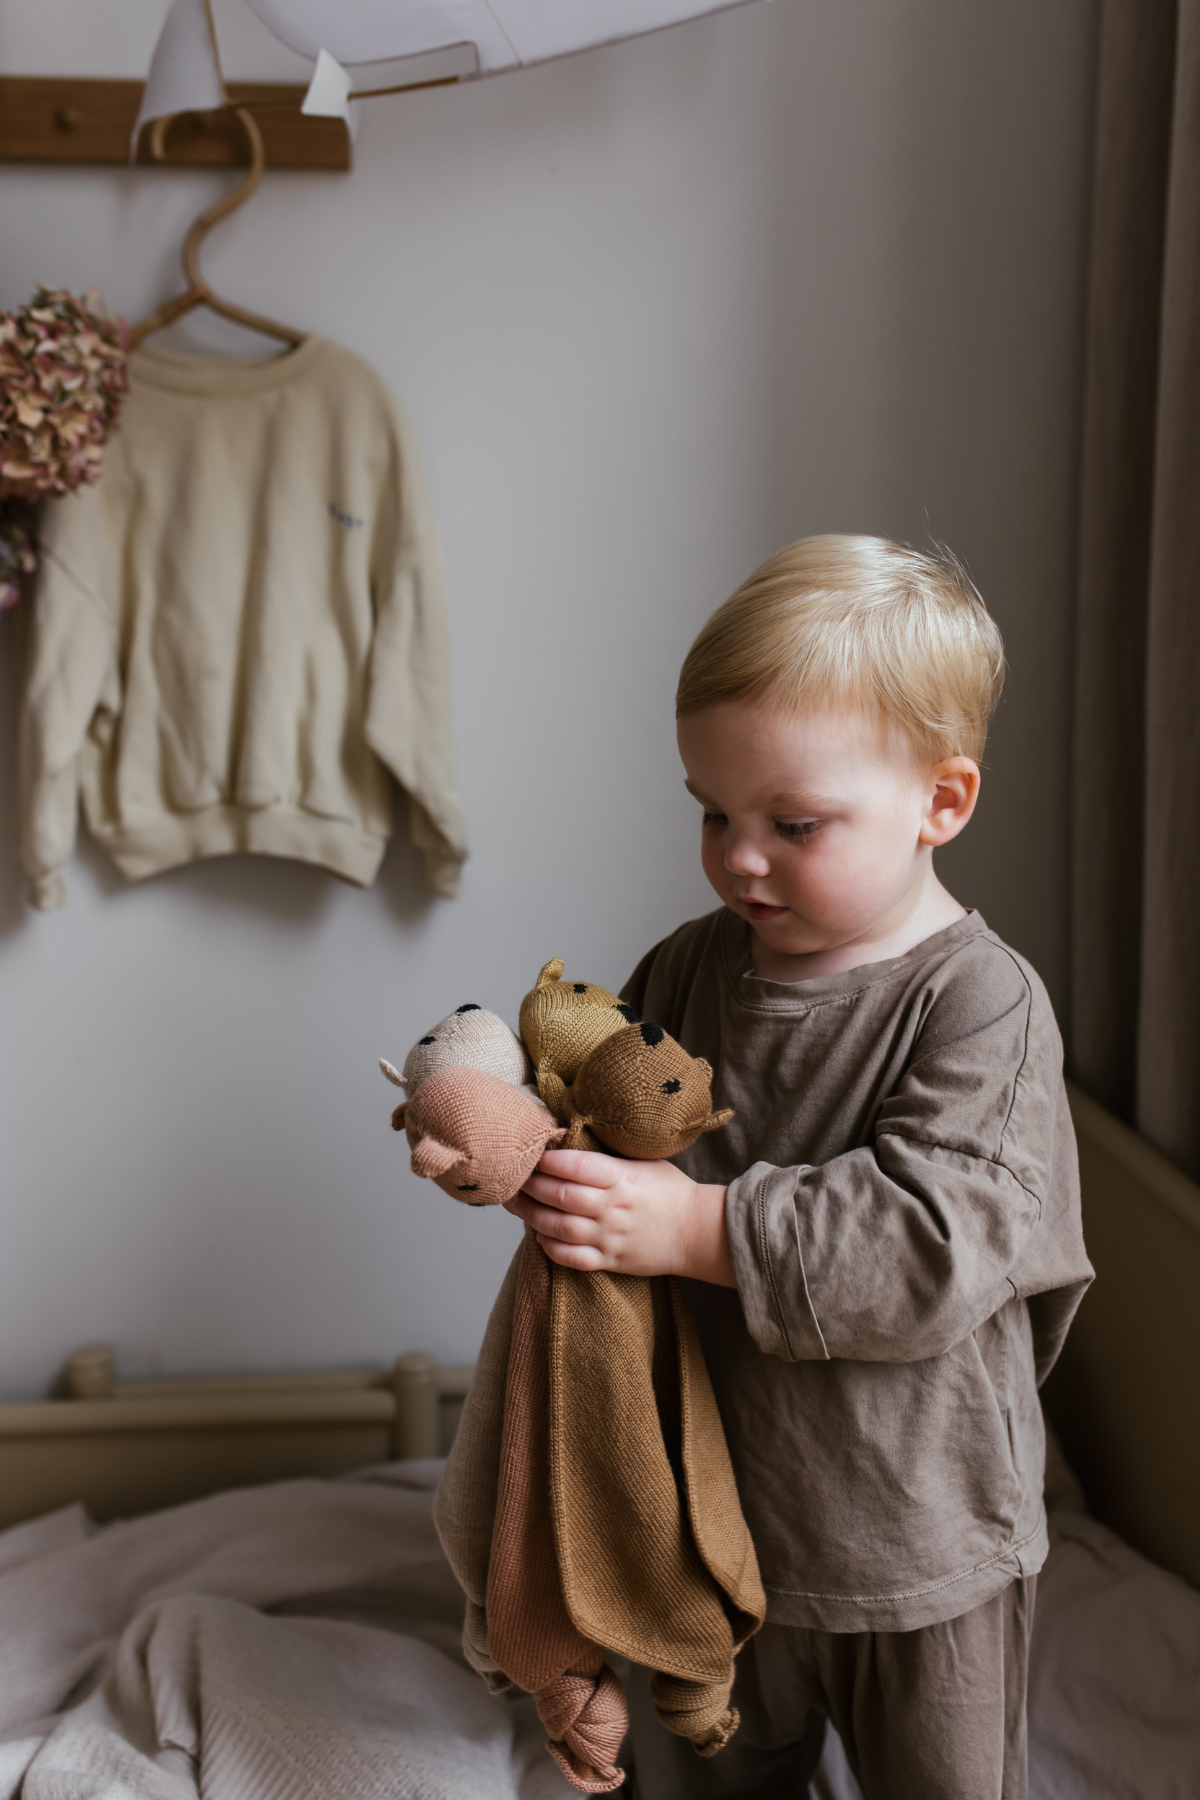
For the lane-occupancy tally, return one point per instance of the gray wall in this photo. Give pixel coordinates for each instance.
(811, 265)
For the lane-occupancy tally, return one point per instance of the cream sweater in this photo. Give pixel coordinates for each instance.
(240, 631)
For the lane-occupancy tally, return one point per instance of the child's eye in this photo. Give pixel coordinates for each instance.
(796, 830)
(711, 818)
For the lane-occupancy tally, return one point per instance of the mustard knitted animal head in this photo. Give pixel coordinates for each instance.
(562, 1022)
(640, 1093)
(470, 1038)
(477, 1137)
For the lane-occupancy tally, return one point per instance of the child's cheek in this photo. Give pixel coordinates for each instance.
(712, 860)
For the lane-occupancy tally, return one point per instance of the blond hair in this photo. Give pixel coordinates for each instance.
(898, 634)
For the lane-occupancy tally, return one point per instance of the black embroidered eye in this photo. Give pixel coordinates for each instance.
(651, 1033)
(627, 1013)
(428, 1040)
(469, 1007)
(468, 1187)
(580, 987)
(672, 1087)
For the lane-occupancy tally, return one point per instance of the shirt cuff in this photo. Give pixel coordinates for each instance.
(48, 891)
(760, 1219)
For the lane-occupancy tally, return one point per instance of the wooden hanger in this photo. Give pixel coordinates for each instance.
(198, 292)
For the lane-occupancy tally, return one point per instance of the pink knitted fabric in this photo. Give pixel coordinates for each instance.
(477, 1137)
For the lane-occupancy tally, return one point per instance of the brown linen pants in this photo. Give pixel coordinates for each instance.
(935, 1714)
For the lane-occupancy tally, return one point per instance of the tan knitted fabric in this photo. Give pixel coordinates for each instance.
(640, 1093)
(529, 1630)
(477, 1137)
(561, 1023)
(470, 1038)
(615, 1457)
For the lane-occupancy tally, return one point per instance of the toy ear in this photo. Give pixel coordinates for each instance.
(718, 1118)
(431, 1158)
(393, 1075)
(398, 1116)
(575, 1137)
(550, 972)
(707, 1067)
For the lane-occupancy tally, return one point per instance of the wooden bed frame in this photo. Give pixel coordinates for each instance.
(134, 1446)
(1123, 1398)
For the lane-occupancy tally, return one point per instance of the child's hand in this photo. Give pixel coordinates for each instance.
(634, 1218)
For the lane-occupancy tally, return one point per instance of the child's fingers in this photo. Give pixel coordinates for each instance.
(567, 1196)
(547, 1221)
(589, 1168)
(572, 1256)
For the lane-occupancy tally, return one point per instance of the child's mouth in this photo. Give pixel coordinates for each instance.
(759, 910)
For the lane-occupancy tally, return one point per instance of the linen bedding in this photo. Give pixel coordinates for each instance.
(301, 1641)
(298, 1641)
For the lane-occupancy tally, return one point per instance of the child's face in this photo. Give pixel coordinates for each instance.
(817, 829)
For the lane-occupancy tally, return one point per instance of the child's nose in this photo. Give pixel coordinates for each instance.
(744, 857)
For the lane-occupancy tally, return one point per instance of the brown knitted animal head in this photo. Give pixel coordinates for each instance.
(562, 1022)
(477, 1137)
(640, 1093)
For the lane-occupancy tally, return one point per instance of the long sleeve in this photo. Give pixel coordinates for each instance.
(898, 1249)
(409, 710)
(71, 676)
(902, 1201)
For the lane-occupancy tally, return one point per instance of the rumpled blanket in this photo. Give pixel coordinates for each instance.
(298, 1641)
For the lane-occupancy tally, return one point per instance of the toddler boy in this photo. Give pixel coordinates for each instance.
(884, 1246)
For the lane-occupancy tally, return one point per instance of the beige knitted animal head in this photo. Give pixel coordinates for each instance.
(470, 1038)
(477, 1137)
(640, 1093)
(562, 1022)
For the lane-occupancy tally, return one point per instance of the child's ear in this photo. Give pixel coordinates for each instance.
(955, 789)
(431, 1158)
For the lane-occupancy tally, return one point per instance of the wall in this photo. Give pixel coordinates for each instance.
(810, 265)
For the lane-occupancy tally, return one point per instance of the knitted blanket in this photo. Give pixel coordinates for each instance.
(589, 1505)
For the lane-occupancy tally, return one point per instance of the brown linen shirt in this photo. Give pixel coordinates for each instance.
(903, 1213)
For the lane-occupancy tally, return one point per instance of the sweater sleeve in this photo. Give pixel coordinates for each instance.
(898, 1249)
(409, 720)
(71, 676)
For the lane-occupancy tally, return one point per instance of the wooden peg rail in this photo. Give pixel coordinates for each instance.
(59, 120)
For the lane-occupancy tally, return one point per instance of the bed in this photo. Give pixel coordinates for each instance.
(129, 1447)
(231, 1587)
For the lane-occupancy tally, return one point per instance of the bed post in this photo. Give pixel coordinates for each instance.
(415, 1377)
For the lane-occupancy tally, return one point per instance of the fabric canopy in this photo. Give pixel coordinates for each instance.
(492, 35)
(507, 34)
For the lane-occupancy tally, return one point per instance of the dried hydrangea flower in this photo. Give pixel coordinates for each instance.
(64, 372)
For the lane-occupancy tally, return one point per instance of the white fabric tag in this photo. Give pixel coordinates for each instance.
(328, 95)
(184, 75)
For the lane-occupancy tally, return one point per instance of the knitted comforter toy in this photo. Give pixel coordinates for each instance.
(589, 1503)
(562, 1022)
(478, 1138)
